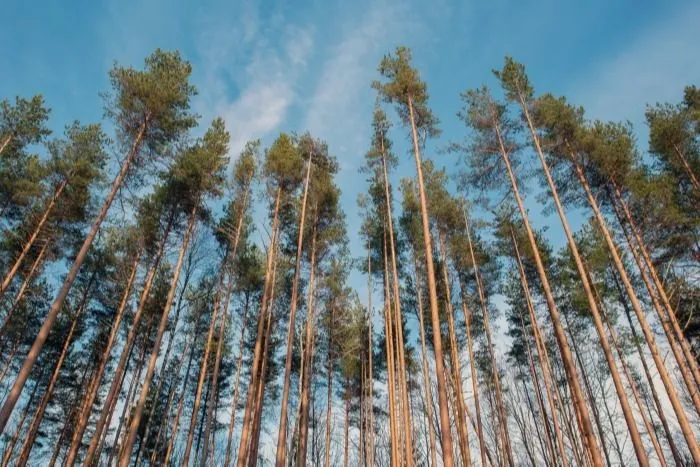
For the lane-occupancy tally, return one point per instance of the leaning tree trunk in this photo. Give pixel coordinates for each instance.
(445, 434)
(121, 365)
(688, 169)
(23, 288)
(32, 238)
(18, 429)
(281, 455)
(494, 366)
(674, 334)
(86, 408)
(567, 358)
(57, 304)
(646, 330)
(204, 366)
(542, 353)
(138, 410)
(635, 437)
(31, 434)
(271, 257)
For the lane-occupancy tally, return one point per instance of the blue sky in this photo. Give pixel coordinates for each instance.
(271, 66)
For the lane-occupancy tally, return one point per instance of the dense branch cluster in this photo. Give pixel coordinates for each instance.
(192, 310)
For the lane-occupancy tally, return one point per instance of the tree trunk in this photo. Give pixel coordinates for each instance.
(631, 383)
(176, 422)
(30, 437)
(18, 429)
(307, 354)
(424, 366)
(542, 353)
(271, 257)
(674, 334)
(538, 394)
(329, 394)
(116, 447)
(567, 358)
(494, 365)
(370, 338)
(647, 372)
(398, 318)
(131, 337)
(463, 434)
(32, 238)
(23, 288)
(260, 392)
(5, 142)
(138, 411)
(57, 304)
(234, 401)
(646, 330)
(203, 369)
(390, 368)
(686, 166)
(445, 434)
(346, 457)
(86, 408)
(635, 437)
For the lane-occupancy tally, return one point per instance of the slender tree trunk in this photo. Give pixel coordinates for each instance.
(7, 456)
(138, 411)
(329, 394)
(31, 434)
(32, 238)
(567, 358)
(390, 368)
(445, 434)
(542, 353)
(166, 410)
(13, 352)
(260, 391)
(646, 330)
(635, 437)
(494, 365)
(282, 431)
(57, 304)
(686, 166)
(632, 384)
(86, 408)
(308, 356)
(234, 401)
(271, 257)
(181, 403)
(463, 434)
(23, 288)
(647, 372)
(117, 446)
(475, 380)
(5, 142)
(130, 339)
(370, 344)
(424, 366)
(674, 334)
(203, 369)
(398, 317)
(538, 394)
(346, 457)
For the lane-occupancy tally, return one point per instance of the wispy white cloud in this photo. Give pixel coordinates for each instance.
(337, 108)
(249, 80)
(653, 68)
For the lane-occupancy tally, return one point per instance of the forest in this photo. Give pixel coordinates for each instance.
(167, 302)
